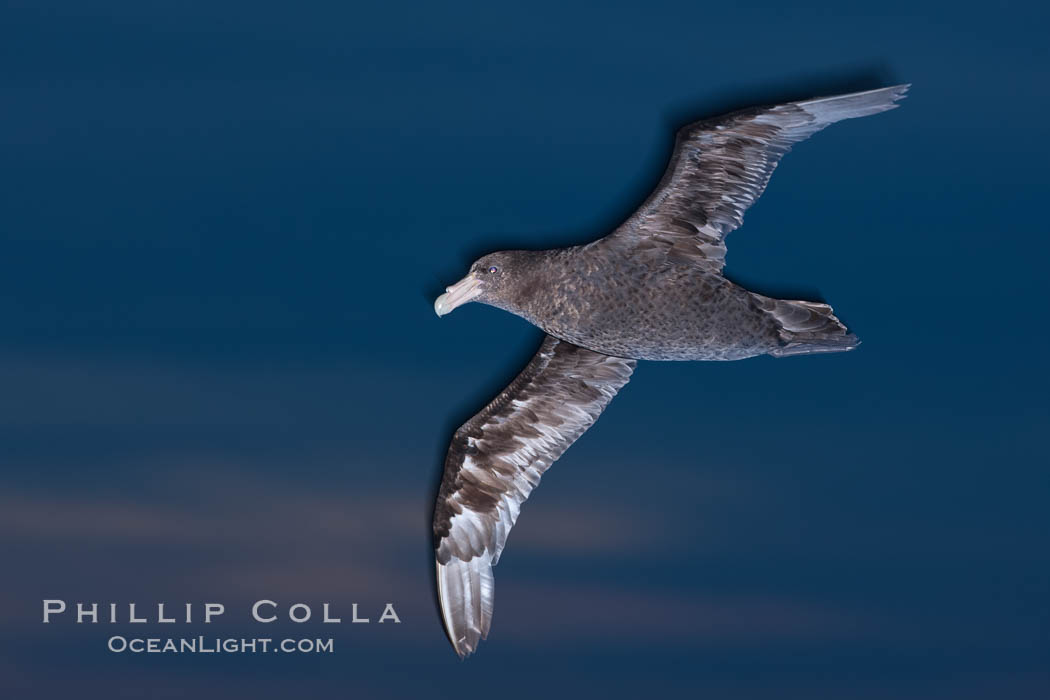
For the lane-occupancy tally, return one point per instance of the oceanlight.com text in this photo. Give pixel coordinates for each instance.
(218, 645)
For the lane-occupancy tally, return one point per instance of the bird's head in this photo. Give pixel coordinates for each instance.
(492, 279)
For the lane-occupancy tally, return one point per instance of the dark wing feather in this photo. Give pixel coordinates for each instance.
(720, 166)
(494, 462)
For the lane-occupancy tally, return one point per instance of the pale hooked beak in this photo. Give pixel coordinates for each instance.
(458, 294)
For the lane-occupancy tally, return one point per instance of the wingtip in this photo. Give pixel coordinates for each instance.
(463, 649)
(465, 592)
(827, 110)
(899, 92)
(464, 646)
(896, 91)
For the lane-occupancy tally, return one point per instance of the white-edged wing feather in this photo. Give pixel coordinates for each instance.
(496, 459)
(720, 166)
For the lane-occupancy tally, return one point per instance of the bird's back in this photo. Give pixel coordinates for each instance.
(673, 310)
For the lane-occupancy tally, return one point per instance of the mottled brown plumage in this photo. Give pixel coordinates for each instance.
(653, 289)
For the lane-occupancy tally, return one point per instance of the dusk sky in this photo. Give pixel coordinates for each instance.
(222, 228)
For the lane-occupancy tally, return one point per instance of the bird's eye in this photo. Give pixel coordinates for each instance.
(493, 269)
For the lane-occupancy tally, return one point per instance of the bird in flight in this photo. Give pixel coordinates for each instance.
(653, 289)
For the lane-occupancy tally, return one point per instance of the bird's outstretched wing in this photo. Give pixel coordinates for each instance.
(720, 166)
(496, 459)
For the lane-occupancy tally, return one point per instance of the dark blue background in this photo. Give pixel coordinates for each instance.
(222, 226)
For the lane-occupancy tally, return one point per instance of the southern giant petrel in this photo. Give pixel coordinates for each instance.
(652, 289)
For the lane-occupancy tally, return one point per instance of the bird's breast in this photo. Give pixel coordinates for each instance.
(662, 314)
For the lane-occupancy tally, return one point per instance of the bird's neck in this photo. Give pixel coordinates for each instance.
(543, 272)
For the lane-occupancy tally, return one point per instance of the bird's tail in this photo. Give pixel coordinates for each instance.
(806, 327)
